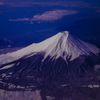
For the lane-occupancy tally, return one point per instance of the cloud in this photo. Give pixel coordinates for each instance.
(48, 16)
(53, 15)
(1, 3)
(19, 19)
(30, 3)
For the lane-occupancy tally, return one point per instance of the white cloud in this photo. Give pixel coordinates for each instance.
(53, 15)
(19, 19)
(1, 3)
(48, 16)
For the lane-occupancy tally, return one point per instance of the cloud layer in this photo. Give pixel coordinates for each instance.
(53, 15)
(30, 3)
(48, 16)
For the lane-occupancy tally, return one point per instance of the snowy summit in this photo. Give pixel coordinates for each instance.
(60, 45)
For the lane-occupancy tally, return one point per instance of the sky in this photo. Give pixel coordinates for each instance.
(31, 21)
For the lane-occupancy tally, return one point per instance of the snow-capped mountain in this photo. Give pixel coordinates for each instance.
(61, 45)
(57, 59)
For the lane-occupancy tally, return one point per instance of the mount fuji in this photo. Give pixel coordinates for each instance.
(61, 59)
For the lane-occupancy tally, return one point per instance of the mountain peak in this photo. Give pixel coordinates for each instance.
(65, 45)
(65, 32)
(60, 45)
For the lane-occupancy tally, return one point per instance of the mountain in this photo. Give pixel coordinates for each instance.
(61, 59)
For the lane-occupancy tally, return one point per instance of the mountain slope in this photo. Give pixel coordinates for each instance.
(60, 45)
(61, 59)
